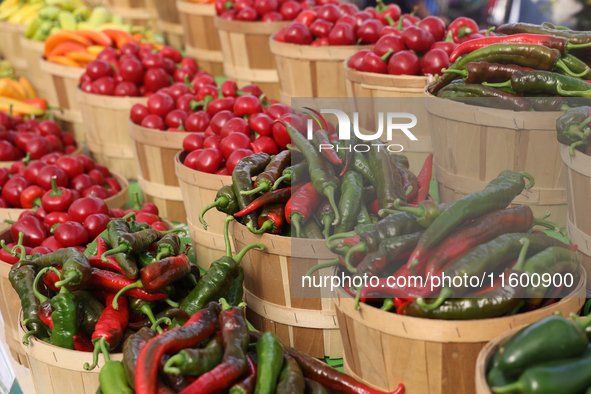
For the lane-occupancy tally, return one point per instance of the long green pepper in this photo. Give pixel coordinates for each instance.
(270, 352)
(350, 201)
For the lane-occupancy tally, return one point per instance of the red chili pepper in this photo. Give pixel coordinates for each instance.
(110, 282)
(374, 208)
(301, 206)
(45, 311)
(31, 197)
(112, 184)
(200, 326)
(272, 219)
(462, 27)
(248, 383)
(321, 139)
(424, 180)
(273, 197)
(559, 43)
(33, 228)
(97, 262)
(82, 343)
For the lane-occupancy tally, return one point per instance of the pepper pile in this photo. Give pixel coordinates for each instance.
(53, 178)
(572, 129)
(122, 280)
(218, 351)
(474, 236)
(318, 192)
(135, 70)
(32, 138)
(263, 10)
(530, 68)
(550, 356)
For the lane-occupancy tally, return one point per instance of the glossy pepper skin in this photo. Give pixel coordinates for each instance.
(478, 94)
(89, 311)
(321, 172)
(22, 279)
(498, 194)
(196, 362)
(313, 387)
(200, 326)
(242, 176)
(76, 269)
(358, 162)
(298, 173)
(131, 351)
(350, 201)
(320, 140)
(311, 231)
(167, 246)
(116, 228)
(112, 376)
(402, 223)
(569, 127)
(408, 179)
(235, 337)
(301, 205)
(546, 82)
(390, 250)
(389, 188)
(65, 319)
(225, 202)
(247, 384)
(273, 171)
(479, 72)
(325, 215)
(291, 379)
(272, 197)
(270, 352)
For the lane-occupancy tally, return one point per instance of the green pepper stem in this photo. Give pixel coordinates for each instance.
(95, 354)
(215, 204)
(135, 285)
(123, 248)
(585, 322)
(3, 244)
(419, 211)
(224, 304)
(251, 327)
(171, 303)
(177, 359)
(326, 223)
(464, 73)
(515, 386)
(562, 66)
(281, 179)
(551, 226)
(174, 230)
(240, 255)
(329, 192)
(320, 266)
(22, 249)
(506, 84)
(489, 30)
(28, 334)
(130, 215)
(147, 310)
(443, 295)
(329, 240)
(268, 225)
(137, 205)
(522, 254)
(71, 276)
(530, 178)
(165, 253)
(413, 266)
(262, 187)
(449, 37)
(388, 305)
(389, 19)
(408, 191)
(156, 326)
(464, 31)
(38, 321)
(227, 236)
(359, 247)
(574, 146)
(40, 296)
(572, 93)
(296, 219)
(387, 55)
(55, 192)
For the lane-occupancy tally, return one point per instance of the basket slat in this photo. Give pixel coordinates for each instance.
(135, 12)
(472, 145)
(33, 52)
(10, 47)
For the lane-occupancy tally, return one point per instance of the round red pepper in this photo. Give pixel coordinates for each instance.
(57, 199)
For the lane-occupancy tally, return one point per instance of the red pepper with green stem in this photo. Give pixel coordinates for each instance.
(266, 179)
(31, 197)
(301, 205)
(235, 335)
(109, 329)
(242, 176)
(97, 262)
(462, 27)
(271, 219)
(424, 180)
(272, 197)
(321, 140)
(138, 206)
(199, 327)
(248, 383)
(159, 274)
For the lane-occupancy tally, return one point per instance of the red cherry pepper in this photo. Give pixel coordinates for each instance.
(160, 226)
(58, 199)
(31, 197)
(145, 207)
(86, 206)
(13, 189)
(52, 244)
(448, 45)
(54, 218)
(47, 173)
(71, 234)
(462, 27)
(96, 224)
(33, 228)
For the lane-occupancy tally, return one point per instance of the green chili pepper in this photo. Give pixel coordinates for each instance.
(531, 346)
(65, 319)
(116, 228)
(76, 269)
(218, 280)
(112, 376)
(135, 242)
(270, 352)
(136, 227)
(363, 217)
(313, 387)
(236, 292)
(242, 176)
(291, 378)
(311, 230)
(389, 187)
(225, 202)
(325, 215)
(89, 311)
(572, 128)
(273, 171)
(489, 95)
(169, 245)
(358, 164)
(144, 308)
(576, 65)
(295, 174)
(350, 201)
(389, 250)
(321, 171)
(92, 247)
(546, 82)
(145, 258)
(196, 362)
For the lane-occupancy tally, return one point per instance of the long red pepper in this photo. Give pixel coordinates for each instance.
(97, 261)
(301, 206)
(321, 139)
(200, 326)
(559, 43)
(273, 197)
(424, 180)
(110, 282)
(82, 343)
(248, 383)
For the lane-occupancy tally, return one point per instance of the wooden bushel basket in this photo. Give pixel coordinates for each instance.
(107, 131)
(33, 52)
(577, 173)
(367, 86)
(135, 12)
(201, 39)
(247, 56)
(473, 144)
(484, 357)
(307, 324)
(56, 370)
(307, 71)
(384, 349)
(154, 153)
(10, 306)
(199, 190)
(11, 49)
(169, 23)
(61, 92)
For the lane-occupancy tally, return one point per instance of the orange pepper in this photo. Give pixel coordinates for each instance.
(120, 37)
(37, 102)
(97, 37)
(31, 93)
(66, 47)
(8, 88)
(82, 56)
(64, 61)
(62, 36)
